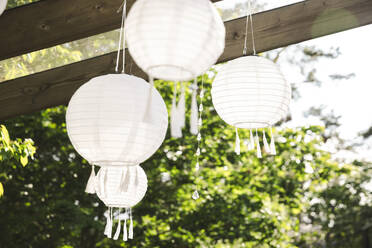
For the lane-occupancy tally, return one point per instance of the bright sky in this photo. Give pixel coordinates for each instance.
(350, 98)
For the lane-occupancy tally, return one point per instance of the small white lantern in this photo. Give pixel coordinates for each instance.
(105, 120)
(251, 92)
(3, 4)
(174, 40)
(122, 188)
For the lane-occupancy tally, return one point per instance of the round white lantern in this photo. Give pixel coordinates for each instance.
(174, 40)
(251, 92)
(3, 4)
(121, 187)
(105, 120)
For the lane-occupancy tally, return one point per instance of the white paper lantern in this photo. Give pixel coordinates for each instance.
(3, 4)
(105, 120)
(121, 187)
(174, 40)
(251, 92)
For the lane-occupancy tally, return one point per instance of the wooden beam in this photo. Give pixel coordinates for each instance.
(48, 23)
(273, 29)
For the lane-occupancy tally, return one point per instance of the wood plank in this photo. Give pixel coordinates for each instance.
(48, 23)
(275, 28)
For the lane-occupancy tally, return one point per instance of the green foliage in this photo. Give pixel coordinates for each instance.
(245, 201)
(17, 149)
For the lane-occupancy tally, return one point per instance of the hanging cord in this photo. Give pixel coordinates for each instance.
(123, 7)
(249, 18)
(195, 195)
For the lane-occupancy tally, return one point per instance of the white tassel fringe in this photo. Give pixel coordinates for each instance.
(90, 188)
(131, 225)
(117, 233)
(259, 154)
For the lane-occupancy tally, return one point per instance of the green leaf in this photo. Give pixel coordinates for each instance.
(24, 160)
(5, 134)
(1, 189)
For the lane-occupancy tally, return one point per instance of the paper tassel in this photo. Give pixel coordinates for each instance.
(107, 223)
(147, 117)
(90, 188)
(251, 143)
(272, 143)
(237, 142)
(194, 110)
(108, 228)
(117, 233)
(125, 233)
(124, 184)
(181, 107)
(266, 144)
(131, 225)
(176, 130)
(259, 154)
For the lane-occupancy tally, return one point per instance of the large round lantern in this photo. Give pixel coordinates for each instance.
(3, 4)
(121, 188)
(174, 40)
(251, 92)
(105, 120)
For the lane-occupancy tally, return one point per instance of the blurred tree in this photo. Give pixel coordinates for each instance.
(245, 201)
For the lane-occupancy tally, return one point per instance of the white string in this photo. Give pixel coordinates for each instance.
(122, 38)
(122, 27)
(249, 18)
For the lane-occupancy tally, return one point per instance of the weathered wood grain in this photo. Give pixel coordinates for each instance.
(48, 23)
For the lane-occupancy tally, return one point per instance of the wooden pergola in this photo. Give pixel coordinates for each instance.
(51, 22)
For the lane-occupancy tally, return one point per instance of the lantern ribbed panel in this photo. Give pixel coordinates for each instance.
(174, 40)
(3, 4)
(109, 189)
(251, 92)
(105, 123)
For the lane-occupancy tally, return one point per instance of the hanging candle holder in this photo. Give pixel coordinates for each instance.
(250, 92)
(196, 42)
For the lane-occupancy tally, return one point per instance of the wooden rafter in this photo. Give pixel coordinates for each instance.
(48, 23)
(275, 28)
